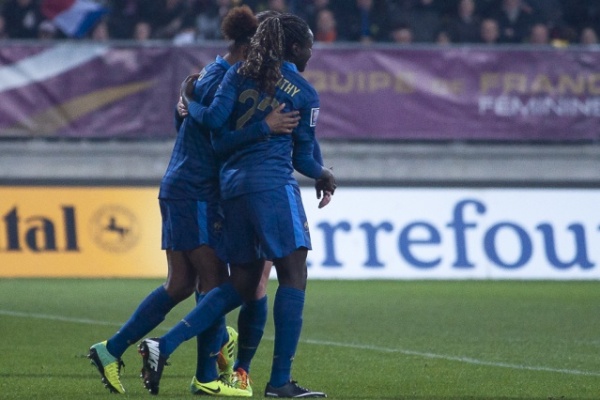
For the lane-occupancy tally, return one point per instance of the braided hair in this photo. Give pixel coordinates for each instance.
(261, 16)
(270, 46)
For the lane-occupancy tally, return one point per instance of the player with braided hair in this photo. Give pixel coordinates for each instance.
(265, 56)
(189, 202)
(253, 314)
(264, 215)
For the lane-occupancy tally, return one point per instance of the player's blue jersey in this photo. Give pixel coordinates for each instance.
(266, 164)
(192, 172)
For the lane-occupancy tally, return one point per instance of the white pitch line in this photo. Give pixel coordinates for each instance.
(466, 360)
(57, 318)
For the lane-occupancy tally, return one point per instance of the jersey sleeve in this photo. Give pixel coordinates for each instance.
(225, 141)
(303, 155)
(216, 115)
(317, 155)
(178, 119)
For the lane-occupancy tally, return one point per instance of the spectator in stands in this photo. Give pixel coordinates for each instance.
(122, 18)
(278, 5)
(263, 5)
(443, 37)
(581, 13)
(21, 18)
(425, 21)
(184, 21)
(256, 5)
(3, 34)
(100, 32)
(486, 8)
(142, 31)
(588, 36)
(446, 8)
(326, 27)
(166, 17)
(47, 30)
(399, 7)
(295, 6)
(187, 35)
(208, 16)
(365, 21)
(309, 10)
(540, 35)
(489, 32)
(515, 19)
(550, 12)
(465, 24)
(401, 33)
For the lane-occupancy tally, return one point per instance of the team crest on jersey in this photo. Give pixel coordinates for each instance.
(314, 115)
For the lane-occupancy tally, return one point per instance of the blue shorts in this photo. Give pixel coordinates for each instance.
(269, 224)
(188, 224)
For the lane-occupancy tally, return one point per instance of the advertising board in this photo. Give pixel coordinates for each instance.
(365, 233)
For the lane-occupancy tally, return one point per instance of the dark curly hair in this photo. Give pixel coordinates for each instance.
(239, 25)
(270, 46)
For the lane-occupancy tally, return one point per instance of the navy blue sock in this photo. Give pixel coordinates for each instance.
(149, 314)
(251, 326)
(209, 343)
(287, 314)
(217, 303)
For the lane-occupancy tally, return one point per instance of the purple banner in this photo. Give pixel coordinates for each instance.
(94, 90)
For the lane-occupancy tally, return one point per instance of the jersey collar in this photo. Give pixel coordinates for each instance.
(290, 66)
(221, 61)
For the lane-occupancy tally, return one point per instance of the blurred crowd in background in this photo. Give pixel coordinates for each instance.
(539, 22)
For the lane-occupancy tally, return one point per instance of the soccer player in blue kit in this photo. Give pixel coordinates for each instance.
(189, 202)
(264, 216)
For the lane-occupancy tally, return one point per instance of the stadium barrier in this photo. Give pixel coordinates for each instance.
(365, 233)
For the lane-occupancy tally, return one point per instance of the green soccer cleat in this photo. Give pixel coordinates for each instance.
(218, 387)
(226, 357)
(108, 366)
(241, 380)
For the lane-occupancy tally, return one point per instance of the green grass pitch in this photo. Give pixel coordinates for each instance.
(361, 339)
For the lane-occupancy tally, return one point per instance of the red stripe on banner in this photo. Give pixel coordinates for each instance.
(51, 8)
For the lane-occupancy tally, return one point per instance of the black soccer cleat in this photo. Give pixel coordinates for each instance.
(291, 390)
(153, 364)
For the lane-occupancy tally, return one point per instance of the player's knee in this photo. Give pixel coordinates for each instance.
(292, 277)
(179, 290)
(261, 290)
(206, 283)
(291, 270)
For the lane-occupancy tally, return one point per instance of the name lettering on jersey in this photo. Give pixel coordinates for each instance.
(288, 87)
